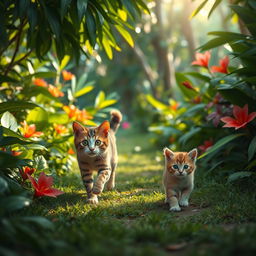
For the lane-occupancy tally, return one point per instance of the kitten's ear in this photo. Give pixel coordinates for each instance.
(78, 128)
(193, 154)
(104, 128)
(168, 153)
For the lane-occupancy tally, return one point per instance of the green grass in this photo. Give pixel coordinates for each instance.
(133, 220)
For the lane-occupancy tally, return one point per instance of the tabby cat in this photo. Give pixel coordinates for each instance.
(178, 177)
(96, 151)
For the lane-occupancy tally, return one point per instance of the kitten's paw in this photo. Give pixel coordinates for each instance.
(184, 203)
(97, 190)
(93, 200)
(175, 208)
(110, 187)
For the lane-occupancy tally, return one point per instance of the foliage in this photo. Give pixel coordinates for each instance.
(209, 98)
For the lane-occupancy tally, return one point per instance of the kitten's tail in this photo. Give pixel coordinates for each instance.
(116, 118)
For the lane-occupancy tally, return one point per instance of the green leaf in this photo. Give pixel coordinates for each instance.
(16, 106)
(3, 185)
(39, 117)
(40, 163)
(39, 221)
(99, 99)
(199, 8)
(91, 27)
(252, 149)
(9, 121)
(239, 175)
(107, 103)
(107, 48)
(81, 8)
(215, 5)
(58, 118)
(64, 4)
(64, 62)
(36, 147)
(13, 203)
(83, 91)
(184, 138)
(125, 34)
(7, 141)
(8, 161)
(221, 143)
(155, 103)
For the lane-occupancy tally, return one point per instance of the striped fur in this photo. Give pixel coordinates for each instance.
(178, 177)
(96, 151)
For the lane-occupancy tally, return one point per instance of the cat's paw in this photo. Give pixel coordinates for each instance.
(184, 203)
(97, 190)
(110, 187)
(93, 200)
(175, 208)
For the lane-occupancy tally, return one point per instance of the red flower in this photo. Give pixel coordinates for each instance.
(67, 75)
(60, 129)
(30, 130)
(188, 85)
(202, 59)
(16, 153)
(241, 117)
(207, 144)
(43, 187)
(55, 91)
(83, 116)
(40, 82)
(71, 110)
(223, 67)
(25, 171)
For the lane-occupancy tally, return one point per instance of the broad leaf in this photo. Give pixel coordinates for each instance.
(16, 106)
(83, 91)
(239, 175)
(252, 149)
(9, 121)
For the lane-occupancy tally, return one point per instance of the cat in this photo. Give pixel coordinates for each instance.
(96, 151)
(178, 177)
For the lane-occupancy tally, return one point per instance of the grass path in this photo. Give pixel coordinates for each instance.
(133, 220)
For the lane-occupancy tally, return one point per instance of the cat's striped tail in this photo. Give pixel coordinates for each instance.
(116, 118)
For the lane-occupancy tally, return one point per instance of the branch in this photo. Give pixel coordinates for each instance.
(18, 38)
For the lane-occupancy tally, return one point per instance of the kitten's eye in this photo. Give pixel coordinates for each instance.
(84, 143)
(97, 142)
(175, 166)
(185, 166)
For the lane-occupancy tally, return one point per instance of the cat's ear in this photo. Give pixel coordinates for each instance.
(193, 154)
(168, 153)
(78, 128)
(104, 128)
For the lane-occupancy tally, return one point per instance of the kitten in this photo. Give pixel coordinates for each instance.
(96, 151)
(178, 177)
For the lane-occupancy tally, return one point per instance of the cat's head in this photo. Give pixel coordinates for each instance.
(92, 141)
(180, 163)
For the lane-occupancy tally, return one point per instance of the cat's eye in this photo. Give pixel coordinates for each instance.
(97, 142)
(84, 143)
(175, 166)
(185, 166)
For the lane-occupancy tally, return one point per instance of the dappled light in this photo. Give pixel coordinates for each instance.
(127, 127)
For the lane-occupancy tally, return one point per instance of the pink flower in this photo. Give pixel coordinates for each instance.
(43, 187)
(242, 118)
(202, 59)
(223, 67)
(126, 125)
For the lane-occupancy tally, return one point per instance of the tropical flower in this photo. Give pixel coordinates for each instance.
(188, 85)
(67, 75)
(71, 110)
(55, 91)
(206, 145)
(71, 151)
(30, 130)
(25, 171)
(242, 118)
(43, 187)
(40, 82)
(126, 125)
(202, 59)
(223, 67)
(174, 106)
(60, 129)
(83, 116)
(16, 153)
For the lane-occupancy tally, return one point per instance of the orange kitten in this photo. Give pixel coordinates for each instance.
(96, 151)
(178, 177)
